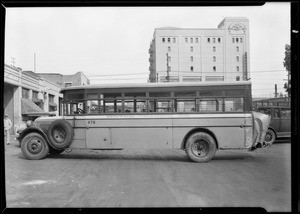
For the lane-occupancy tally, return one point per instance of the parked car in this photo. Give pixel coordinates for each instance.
(280, 125)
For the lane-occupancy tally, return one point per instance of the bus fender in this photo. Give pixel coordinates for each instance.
(60, 134)
(198, 130)
(30, 130)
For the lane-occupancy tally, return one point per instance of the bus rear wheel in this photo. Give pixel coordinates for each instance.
(34, 146)
(200, 147)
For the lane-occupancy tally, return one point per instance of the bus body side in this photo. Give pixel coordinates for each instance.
(156, 131)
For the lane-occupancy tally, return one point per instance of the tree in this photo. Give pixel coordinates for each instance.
(287, 65)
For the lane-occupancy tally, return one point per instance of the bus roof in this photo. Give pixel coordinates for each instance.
(152, 85)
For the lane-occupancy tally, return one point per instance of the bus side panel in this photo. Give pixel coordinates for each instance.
(142, 138)
(229, 132)
(227, 137)
(79, 139)
(129, 132)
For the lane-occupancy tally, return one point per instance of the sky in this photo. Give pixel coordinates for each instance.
(110, 44)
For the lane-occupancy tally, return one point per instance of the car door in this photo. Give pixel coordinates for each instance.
(275, 119)
(285, 120)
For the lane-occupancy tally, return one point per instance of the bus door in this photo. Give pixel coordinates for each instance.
(97, 137)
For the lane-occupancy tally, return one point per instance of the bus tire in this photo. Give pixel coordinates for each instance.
(200, 147)
(55, 151)
(60, 134)
(34, 146)
(270, 136)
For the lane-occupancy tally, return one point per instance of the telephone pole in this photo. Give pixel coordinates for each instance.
(168, 75)
(13, 61)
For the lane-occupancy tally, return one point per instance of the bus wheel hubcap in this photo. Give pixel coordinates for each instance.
(35, 146)
(200, 148)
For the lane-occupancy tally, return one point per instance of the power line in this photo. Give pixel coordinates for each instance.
(192, 72)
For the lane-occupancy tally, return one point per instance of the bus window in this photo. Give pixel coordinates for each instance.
(185, 94)
(160, 94)
(92, 107)
(213, 105)
(136, 94)
(111, 95)
(113, 106)
(185, 105)
(160, 106)
(73, 108)
(132, 106)
(234, 104)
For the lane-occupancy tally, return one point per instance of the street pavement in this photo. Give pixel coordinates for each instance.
(150, 178)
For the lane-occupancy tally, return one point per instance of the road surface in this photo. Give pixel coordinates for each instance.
(150, 178)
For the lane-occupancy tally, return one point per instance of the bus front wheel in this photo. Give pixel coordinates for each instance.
(34, 146)
(200, 147)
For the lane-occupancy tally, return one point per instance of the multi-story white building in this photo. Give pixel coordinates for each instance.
(184, 54)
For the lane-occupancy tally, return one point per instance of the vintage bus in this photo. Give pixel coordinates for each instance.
(199, 118)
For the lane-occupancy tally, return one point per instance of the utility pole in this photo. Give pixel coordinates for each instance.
(34, 63)
(275, 90)
(13, 61)
(168, 76)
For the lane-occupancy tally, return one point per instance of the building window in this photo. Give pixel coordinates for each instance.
(237, 49)
(214, 68)
(192, 68)
(192, 59)
(237, 78)
(196, 40)
(192, 49)
(214, 49)
(25, 93)
(214, 40)
(163, 40)
(51, 98)
(169, 40)
(237, 68)
(169, 49)
(241, 40)
(192, 40)
(208, 40)
(174, 40)
(233, 40)
(237, 58)
(219, 40)
(186, 40)
(35, 94)
(214, 58)
(237, 40)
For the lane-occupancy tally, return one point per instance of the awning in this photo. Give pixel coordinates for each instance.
(31, 109)
(52, 104)
(35, 100)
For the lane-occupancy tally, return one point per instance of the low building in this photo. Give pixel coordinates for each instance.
(28, 96)
(66, 80)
